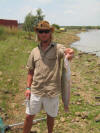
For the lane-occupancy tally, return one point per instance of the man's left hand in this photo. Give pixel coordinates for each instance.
(69, 53)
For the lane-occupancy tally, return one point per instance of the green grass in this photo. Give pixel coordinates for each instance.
(13, 58)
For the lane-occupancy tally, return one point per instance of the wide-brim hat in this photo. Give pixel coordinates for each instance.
(43, 25)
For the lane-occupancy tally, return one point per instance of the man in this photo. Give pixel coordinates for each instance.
(44, 80)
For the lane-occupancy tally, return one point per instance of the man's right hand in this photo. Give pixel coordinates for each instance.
(28, 94)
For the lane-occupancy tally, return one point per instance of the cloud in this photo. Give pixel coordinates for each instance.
(81, 12)
(9, 10)
(40, 1)
(44, 1)
(24, 11)
(3, 0)
(69, 12)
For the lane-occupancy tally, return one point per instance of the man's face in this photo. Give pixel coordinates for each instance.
(44, 35)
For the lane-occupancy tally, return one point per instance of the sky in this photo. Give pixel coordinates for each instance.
(61, 12)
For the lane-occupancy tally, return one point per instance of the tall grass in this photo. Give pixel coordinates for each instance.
(6, 31)
(13, 56)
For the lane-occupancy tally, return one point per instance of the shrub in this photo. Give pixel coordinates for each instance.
(1, 30)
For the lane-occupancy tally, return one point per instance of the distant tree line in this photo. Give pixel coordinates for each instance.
(81, 27)
(56, 26)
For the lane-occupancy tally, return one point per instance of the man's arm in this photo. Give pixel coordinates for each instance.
(62, 50)
(30, 67)
(30, 78)
(29, 82)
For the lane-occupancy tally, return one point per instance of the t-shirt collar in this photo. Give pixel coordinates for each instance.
(51, 44)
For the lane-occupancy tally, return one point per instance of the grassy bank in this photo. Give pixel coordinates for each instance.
(84, 107)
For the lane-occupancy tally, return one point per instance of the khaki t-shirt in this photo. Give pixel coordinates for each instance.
(46, 67)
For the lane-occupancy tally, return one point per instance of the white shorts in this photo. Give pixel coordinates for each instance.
(37, 103)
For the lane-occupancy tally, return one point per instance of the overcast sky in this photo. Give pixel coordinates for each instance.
(62, 12)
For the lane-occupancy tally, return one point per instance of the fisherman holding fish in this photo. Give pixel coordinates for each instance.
(44, 80)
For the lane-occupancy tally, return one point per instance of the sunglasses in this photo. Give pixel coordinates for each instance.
(43, 31)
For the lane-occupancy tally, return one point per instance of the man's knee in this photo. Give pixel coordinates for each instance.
(29, 117)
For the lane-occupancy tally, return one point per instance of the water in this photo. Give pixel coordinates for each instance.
(89, 42)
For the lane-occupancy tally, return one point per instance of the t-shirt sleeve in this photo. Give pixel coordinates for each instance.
(30, 63)
(61, 48)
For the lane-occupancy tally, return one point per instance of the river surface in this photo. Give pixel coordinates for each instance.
(89, 42)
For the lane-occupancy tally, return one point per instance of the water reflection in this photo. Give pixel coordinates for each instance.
(89, 42)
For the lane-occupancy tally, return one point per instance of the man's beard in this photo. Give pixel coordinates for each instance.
(46, 41)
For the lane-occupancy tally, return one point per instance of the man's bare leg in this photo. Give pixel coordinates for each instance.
(50, 123)
(28, 123)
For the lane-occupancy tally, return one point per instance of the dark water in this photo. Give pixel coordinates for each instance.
(89, 42)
